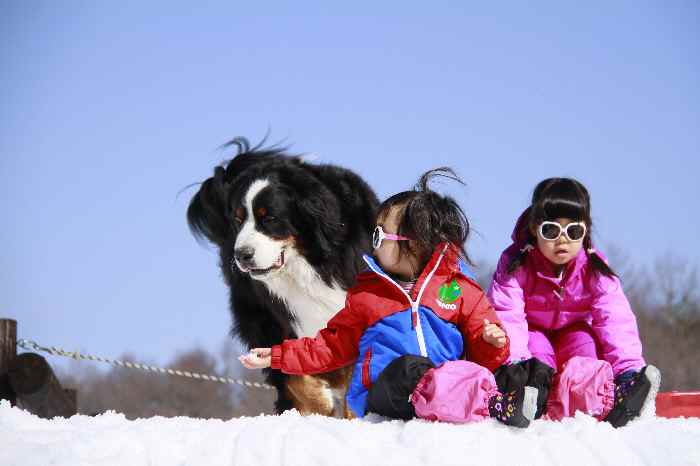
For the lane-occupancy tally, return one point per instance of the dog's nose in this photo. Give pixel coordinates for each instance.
(244, 255)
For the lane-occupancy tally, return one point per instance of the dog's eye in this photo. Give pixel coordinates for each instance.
(240, 215)
(269, 219)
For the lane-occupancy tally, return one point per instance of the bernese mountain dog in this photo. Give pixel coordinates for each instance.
(290, 236)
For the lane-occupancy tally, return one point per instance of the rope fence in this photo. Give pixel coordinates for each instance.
(33, 346)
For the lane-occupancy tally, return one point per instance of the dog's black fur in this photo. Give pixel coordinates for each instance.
(328, 213)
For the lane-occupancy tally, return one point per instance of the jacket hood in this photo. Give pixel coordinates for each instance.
(521, 235)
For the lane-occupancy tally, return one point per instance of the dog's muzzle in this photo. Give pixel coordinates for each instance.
(244, 259)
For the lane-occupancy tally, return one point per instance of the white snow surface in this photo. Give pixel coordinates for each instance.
(291, 439)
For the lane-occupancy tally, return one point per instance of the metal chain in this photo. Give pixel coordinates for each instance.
(31, 345)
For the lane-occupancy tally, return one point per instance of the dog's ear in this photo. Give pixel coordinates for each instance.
(206, 214)
(358, 200)
(321, 215)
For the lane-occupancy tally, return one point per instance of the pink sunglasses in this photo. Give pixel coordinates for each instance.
(378, 236)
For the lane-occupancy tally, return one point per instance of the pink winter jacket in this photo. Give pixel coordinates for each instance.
(533, 296)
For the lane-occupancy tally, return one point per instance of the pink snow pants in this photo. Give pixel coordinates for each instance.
(582, 382)
(457, 391)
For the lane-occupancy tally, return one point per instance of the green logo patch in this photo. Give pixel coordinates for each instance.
(449, 292)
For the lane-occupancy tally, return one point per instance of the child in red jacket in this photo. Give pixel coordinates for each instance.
(423, 338)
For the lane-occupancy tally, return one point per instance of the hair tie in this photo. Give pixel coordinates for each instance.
(527, 247)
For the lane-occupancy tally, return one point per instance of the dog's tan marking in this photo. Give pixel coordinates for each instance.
(314, 394)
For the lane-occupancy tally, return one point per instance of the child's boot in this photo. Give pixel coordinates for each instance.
(532, 373)
(634, 392)
(516, 408)
(539, 376)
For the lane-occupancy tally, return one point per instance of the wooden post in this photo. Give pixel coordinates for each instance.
(8, 353)
(37, 388)
(72, 396)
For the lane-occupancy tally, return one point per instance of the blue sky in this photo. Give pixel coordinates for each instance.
(109, 110)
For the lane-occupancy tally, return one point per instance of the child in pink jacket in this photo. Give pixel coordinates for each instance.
(561, 304)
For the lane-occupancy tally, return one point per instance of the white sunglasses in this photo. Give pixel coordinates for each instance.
(378, 236)
(551, 231)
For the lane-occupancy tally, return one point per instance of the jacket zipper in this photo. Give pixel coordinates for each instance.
(366, 378)
(559, 294)
(415, 319)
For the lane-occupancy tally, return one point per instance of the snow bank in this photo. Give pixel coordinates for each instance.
(291, 439)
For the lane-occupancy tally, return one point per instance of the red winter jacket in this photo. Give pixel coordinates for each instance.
(441, 319)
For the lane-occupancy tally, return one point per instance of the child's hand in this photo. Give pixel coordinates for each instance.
(493, 334)
(257, 358)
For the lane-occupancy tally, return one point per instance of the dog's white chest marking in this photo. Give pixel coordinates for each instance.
(308, 297)
(313, 314)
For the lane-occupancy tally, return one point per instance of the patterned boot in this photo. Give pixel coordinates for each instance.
(634, 392)
(533, 373)
(516, 408)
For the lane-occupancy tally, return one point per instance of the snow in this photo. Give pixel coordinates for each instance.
(291, 439)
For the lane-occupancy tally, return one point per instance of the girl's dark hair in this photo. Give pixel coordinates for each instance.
(428, 218)
(559, 198)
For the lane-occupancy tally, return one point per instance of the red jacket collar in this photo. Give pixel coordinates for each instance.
(447, 253)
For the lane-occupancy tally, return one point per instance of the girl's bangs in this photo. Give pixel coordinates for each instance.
(552, 209)
(560, 198)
